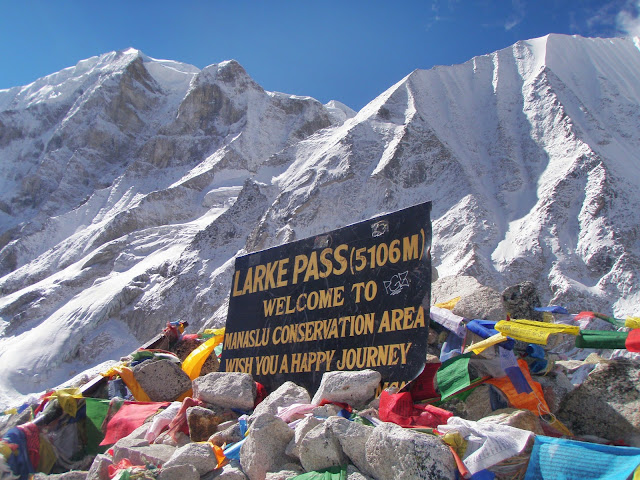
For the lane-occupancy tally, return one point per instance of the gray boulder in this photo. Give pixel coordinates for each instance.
(200, 455)
(447, 288)
(394, 452)
(229, 435)
(140, 453)
(226, 389)
(162, 380)
(483, 303)
(353, 438)
(284, 396)
(231, 472)
(99, 469)
(320, 449)
(354, 474)
(302, 428)
(202, 423)
(606, 404)
(264, 448)
(354, 388)
(286, 473)
(72, 475)
(179, 472)
(520, 300)
(555, 387)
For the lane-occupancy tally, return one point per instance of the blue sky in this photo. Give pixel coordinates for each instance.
(350, 51)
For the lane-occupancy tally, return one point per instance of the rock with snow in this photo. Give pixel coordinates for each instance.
(226, 389)
(264, 449)
(284, 396)
(200, 455)
(355, 388)
(162, 380)
(395, 452)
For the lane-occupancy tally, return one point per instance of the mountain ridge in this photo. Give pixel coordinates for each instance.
(123, 206)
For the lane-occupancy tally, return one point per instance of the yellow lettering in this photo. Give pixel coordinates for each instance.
(342, 261)
(300, 264)
(312, 267)
(284, 366)
(410, 248)
(282, 271)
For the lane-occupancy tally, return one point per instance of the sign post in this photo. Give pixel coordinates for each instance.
(350, 299)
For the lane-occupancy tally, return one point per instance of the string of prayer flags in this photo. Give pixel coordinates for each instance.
(632, 322)
(601, 339)
(553, 309)
(449, 304)
(531, 331)
(632, 343)
(453, 376)
(400, 409)
(487, 443)
(553, 458)
(509, 364)
(452, 322)
(480, 347)
(533, 401)
(486, 329)
(423, 387)
(616, 322)
(130, 416)
(97, 409)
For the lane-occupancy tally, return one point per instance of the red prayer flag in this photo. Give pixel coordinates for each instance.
(400, 409)
(632, 343)
(130, 416)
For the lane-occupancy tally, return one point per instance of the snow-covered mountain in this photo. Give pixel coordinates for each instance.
(129, 185)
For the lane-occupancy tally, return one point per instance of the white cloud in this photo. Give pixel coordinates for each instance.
(517, 14)
(628, 21)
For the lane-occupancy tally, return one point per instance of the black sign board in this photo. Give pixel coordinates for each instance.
(350, 299)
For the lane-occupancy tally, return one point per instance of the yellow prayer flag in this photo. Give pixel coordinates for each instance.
(480, 347)
(632, 322)
(67, 399)
(531, 331)
(449, 304)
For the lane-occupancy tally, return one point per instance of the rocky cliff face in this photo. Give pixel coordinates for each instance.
(130, 184)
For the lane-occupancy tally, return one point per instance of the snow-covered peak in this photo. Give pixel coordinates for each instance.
(339, 111)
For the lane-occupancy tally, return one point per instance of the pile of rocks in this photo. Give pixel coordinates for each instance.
(291, 432)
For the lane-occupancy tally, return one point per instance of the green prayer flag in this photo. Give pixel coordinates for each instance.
(96, 413)
(333, 473)
(601, 339)
(453, 375)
